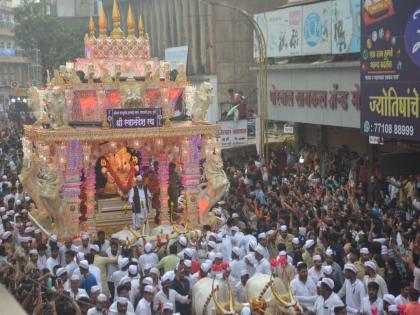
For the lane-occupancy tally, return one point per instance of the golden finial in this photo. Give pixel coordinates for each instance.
(116, 33)
(102, 24)
(91, 27)
(130, 23)
(141, 27)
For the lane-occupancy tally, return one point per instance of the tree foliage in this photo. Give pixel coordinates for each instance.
(57, 40)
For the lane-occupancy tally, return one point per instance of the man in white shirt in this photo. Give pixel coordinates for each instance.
(327, 300)
(75, 289)
(303, 287)
(148, 258)
(54, 259)
(119, 274)
(168, 295)
(145, 305)
(239, 289)
(236, 264)
(353, 289)
(138, 198)
(371, 275)
(404, 291)
(263, 265)
(316, 271)
(372, 304)
(100, 307)
(85, 248)
(121, 306)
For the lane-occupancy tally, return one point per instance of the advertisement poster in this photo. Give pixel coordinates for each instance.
(282, 30)
(316, 29)
(390, 67)
(345, 19)
(176, 56)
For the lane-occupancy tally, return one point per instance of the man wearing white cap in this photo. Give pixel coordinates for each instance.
(101, 263)
(75, 289)
(138, 198)
(145, 306)
(100, 307)
(148, 258)
(168, 309)
(284, 238)
(121, 306)
(309, 252)
(236, 264)
(123, 264)
(316, 271)
(85, 247)
(353, 289)
(263, 265)
(284, 269)
(168, 295)
(337, 274)
(372, 276)
(327, 300)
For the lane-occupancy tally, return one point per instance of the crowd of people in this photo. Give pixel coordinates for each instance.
(344, 242)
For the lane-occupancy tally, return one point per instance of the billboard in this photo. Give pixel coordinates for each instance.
(322, 28)
(345, 20)
(176, 55)
(282, 30)
(316, 26)
(390, 84)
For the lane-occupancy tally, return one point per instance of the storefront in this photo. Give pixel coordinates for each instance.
(322, 99)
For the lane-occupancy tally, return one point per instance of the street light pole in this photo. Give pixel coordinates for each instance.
(262, 71)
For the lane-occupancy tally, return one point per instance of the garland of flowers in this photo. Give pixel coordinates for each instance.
(124, 188)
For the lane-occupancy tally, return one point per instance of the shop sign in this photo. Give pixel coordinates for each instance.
(316, 99)
(328, 96)
(282, 31)
(134, 117)
(390, 67)
(345, 19)
(233, 133)
(316, 29)
(322, 28)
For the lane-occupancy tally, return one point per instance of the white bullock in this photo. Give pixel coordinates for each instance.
(263, 291)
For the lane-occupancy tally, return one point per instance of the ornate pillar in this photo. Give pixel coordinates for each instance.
(163, 176)
(71, 189)
(191, 176)
(89, 183)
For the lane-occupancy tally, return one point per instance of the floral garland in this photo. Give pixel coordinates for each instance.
(124, 188)
(280, 261)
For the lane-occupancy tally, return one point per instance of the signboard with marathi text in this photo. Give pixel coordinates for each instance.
(315, 96)
(134, 117)
(233, 133)
(390, 67)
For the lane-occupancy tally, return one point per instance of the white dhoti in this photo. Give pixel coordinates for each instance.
(138, 220)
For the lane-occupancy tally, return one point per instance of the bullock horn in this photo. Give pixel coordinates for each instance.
(277, 296)
(231, 300)
(132, 231)
(218, 305)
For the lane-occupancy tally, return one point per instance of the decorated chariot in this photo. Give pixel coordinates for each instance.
(108, 117)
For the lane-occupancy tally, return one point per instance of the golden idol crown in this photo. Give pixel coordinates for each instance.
(116, 44)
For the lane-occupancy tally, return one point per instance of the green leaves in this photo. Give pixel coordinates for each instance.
(58, 40)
